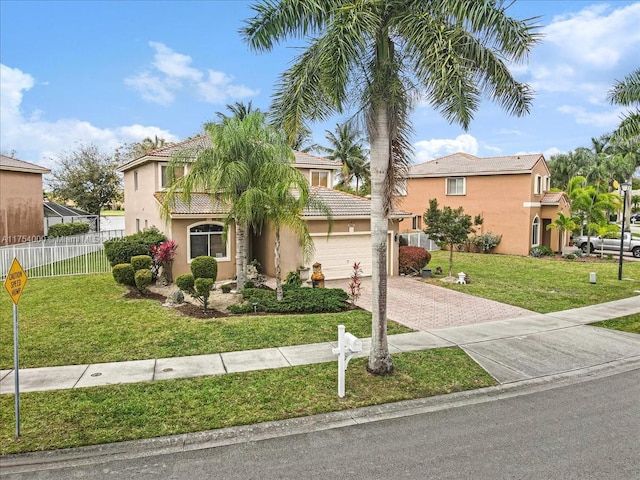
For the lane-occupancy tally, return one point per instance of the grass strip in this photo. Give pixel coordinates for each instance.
(630, 323)
(542, 285)
(73, 418)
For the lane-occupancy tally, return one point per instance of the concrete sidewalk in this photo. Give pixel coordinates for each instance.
(526, 347)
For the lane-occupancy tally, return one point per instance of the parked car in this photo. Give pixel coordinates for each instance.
(629, 244)
(635, 218)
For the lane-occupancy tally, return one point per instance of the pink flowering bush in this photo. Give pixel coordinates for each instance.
(163, 255)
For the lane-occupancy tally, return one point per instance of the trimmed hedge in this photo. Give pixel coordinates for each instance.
(124, 274)
(143, 278)
(141, 262)
(412, 259)
(68, 229)
(120, 250)
(204, 267)
(296, 300)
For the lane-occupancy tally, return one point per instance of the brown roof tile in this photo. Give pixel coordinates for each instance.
(466, 164)
(13, 164)
(200, 205)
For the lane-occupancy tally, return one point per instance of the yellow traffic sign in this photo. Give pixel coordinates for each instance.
(16, 280)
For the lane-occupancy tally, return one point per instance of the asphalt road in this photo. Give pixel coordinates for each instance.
(589, 430)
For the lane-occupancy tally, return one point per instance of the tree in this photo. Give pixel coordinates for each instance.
(246, 154)
(380, 56)
(627, 92)
(238, 110)
(345, 146)
(88, 177)
(564, 223)
(603, 230)
(448, 227)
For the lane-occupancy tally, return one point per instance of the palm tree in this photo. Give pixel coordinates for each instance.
(380, 56)
(246, 155)
(346, 147)
(564, 223)
(627, 93)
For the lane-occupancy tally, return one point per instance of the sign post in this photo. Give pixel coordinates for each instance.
(15, 282)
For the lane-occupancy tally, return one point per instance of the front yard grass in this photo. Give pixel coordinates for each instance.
(630, 323)
(85, 319)
(542, 285)
(71, 418)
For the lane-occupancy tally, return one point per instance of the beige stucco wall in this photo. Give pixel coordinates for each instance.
(21, 207)
(140, 207)
(507, 204)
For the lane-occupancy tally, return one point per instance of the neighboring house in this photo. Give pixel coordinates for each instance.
(511, 194)
(198, 228)
(21, 196)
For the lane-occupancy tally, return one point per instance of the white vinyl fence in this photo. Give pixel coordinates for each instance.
(420, 239)
(77, 255)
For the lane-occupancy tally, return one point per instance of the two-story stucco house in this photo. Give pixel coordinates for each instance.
(197, 227)
(511, 194)
(21, 201)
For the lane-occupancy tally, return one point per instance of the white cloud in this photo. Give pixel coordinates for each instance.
(607, 120)
(429, 149)
(37, 140)
(173, 71)
(596, 36)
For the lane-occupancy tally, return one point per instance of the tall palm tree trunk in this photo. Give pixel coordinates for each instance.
(241, 255)
(380, 362)
(276, 248)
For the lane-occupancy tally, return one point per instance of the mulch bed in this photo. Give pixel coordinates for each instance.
(187, 309)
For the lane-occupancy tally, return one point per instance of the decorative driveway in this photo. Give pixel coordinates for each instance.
(423, 306)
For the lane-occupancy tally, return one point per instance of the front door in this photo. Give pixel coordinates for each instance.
(546, 232)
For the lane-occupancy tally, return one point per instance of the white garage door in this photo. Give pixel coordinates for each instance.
(338, 252)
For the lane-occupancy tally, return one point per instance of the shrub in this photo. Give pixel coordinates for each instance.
(124, 274)
(249, 284)
(541, 251)
(185, 282)
(226, 288)
(295, 300)
(486, 242)
(67, 229)
(143, 278)
(412, 259)
(141, 262)
(204, 267)
(293, 279)
(203, 287)
(120, 250)
(570, 256)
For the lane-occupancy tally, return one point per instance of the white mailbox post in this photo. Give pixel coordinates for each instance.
(348, 345)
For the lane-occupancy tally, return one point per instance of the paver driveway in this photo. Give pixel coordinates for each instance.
(423, 306)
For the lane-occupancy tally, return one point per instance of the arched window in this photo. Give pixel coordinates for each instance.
(535, 232)
(206, 239)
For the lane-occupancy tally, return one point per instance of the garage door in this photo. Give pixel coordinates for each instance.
(337, 254)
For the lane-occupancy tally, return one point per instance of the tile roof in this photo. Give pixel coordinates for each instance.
(553, 198)
(13, 164)
(200, 205)
(341, 204)
(201, 142)
(466, 164)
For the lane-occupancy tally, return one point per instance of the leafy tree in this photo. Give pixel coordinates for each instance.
(88, 177)
(346, 146)
(379, 56)
(448, 227)
(564, 223)
(238, 110)
(603, 230)
(627, 92)
(565, 166)
(245, 156)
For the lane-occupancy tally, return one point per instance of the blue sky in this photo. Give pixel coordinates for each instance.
(113, 72)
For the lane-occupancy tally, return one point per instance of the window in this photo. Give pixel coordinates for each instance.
(535, 232)
(416, 222)
(135, 180)
(137, 224)
(319, 178)
(455, 186)
(537, 186)
(206, 239)
(178, 172)
(547, 184)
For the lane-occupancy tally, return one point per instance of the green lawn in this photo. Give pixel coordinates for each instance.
(629, 324)
(542, 285)
(88, 416)
(85, 319)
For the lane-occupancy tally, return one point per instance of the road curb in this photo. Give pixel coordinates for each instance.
(36, 461)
